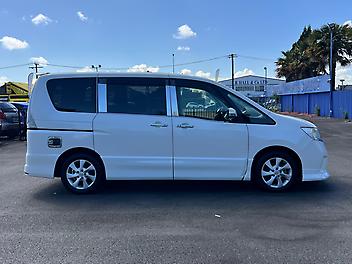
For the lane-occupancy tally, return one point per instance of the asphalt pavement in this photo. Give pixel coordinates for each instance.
(178, 222)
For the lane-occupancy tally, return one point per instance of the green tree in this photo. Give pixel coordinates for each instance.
(342, 46)
(310, 55)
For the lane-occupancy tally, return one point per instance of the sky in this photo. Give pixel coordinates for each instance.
(142, 35)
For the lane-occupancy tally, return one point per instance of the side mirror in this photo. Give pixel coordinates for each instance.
(232, 113)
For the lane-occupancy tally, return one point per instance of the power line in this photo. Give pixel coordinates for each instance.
(66, 66)
(161, 67)
(196, 62)
(15, 66)
(174, 65)
(255, 58)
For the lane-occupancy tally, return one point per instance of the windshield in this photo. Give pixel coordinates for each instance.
(7, 107)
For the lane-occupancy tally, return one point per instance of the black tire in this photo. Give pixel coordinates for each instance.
(99, 173)
(270, 157)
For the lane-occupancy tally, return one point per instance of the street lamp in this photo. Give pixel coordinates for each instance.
(173, 63)
(96, 67)
(265, 78)
(342, 81)
(332, 82)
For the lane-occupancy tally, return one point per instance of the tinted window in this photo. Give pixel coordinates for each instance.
(209, 101)
(136, 96)
(252, 114)
(195, 102)
(73, 94)
(7, 107)
(200, 99)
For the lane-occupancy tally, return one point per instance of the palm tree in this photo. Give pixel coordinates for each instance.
(310, 55)
(300, 61)
(342, 46)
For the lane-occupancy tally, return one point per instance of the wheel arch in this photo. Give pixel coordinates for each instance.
(277, 148)
(76, 150)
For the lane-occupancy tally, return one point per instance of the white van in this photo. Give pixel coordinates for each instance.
(90, 127)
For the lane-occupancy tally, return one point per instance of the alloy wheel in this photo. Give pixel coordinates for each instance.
(276, 172)
(81, 174)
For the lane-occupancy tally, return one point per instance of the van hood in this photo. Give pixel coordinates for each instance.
(290, 120)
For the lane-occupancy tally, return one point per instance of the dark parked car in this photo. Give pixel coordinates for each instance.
(22, 110)
(9, 120)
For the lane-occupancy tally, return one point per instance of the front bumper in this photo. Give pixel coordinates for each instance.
(315, 162)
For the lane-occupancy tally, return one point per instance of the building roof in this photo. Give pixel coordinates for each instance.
(252, 75)
(16, 88)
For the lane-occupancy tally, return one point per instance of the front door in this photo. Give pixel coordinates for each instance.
(206, 147)
(133, 131)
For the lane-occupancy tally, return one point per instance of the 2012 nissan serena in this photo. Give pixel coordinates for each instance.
(90, 127)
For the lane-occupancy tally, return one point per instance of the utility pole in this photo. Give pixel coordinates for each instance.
(36, 67)
(173, 63)
(331, 59)
(332, 79)
(96, 67)
(232, 57)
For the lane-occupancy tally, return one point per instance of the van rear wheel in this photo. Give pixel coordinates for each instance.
(82, 173)
(276, 171)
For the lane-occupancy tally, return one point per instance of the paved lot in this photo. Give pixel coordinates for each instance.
(166, 222)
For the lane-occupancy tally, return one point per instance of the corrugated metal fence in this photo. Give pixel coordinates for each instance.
(311, 102)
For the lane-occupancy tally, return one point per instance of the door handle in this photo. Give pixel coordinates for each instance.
(185, 125)
(158, 124)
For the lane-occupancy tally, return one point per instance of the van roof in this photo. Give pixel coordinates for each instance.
(122, 74)
(129, 74)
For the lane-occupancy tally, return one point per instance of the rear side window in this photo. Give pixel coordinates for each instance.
(145, 96)
(7, 107)
(73, 94)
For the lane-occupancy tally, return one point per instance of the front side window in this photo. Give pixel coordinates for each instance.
(252, 114)
(136, 96)
(73, 94)
(209, 101)
(195, 102)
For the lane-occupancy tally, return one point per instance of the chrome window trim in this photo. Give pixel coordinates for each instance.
(173, 99)
(168, 100)
(102, 98)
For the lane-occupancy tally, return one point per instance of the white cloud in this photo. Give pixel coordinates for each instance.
(3, 79)
(203, 74)
(39, 60)
(11, 43)
(348, 23)
(245, 72)
(86, 69)
(183, 48)
(41, 19)
(343, 73)
(186, 72)
(143, 68)
(81, 16)
(184, 32)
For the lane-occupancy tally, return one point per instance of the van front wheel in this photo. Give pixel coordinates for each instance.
(276, 171)
(82, 173)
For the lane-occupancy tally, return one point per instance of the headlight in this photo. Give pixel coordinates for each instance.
(313, 132)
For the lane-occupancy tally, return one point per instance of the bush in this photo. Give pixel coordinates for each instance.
(317, 110)
(345, 115)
